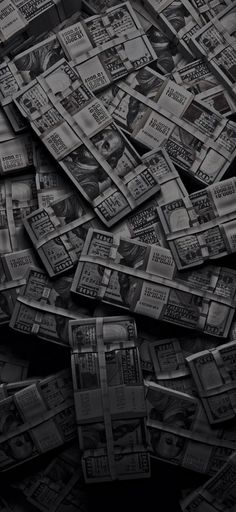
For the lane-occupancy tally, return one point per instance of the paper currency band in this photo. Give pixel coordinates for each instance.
(105, 397)
(48, 415)
(155, 279)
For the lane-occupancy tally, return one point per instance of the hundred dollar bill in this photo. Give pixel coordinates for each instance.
(58, 232)
(180, 20)
(50, 183)
(21, 19)
(16, 155)
(167, 52)
(45, 307)
(144, 224)
(58, 484)
(169, 355)
(8, 294)
(199, 140)
(93, 152)
(15, 264)
(218, 494)
(213, 371)
(180, 433)
(18, 198)
(11, 388)
(202, 226)
(209, 9)
(107, 375)
(144, 279)
(215, 42)
(198, 79)
(36, 419)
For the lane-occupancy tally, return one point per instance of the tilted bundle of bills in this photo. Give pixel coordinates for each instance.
(198, 139)
(218, 494)
(201, 227)
(78, 131)
(169, 355)
(199, 80)
(58, 484)
(215, 42)
(36, 419)
(213, 371)
(180, 433)
(9, 289)
(109, 398)
(145, 280)
(58, 232)
(44, 307)
(21, 19)
(18, 198)
(168, 55)
(11, 388)
(50, 183)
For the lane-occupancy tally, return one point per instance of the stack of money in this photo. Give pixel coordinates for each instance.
(213, 371)
(215, 41)
(36, 419)
(180, 433)
(198, 79)
(58, 232)
(57, 485)
(218, 494)
(81, 135)
(198, 139)
(21, 19)
(44, 307)
(109, 398)
(202, 226)
(117, 192)
(144, 279)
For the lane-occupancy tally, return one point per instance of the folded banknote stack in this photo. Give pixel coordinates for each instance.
(117, 249)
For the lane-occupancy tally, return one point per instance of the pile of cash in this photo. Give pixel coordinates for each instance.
(117, 242)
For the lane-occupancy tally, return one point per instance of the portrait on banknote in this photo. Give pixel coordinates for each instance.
(171, 412)
(177, 15)
(124, 432)
(86, 168)
(166, 51)
(32, 63)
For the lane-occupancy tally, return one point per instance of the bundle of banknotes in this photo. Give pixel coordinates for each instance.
(117, 249)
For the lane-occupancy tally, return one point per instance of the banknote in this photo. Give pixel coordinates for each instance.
(45, 307)
(18, 198)
(50, 184)
(213, 371)
(91, 149)
(145, 280)
(198, 78)
(180, 21)
(212, 235)
(198, 139)
(36, 419)
(58, 232)
(218, 494)
(169, 355)
(9, 291)
(106, 370)
(215, 41)
(56, 484)
(169, 56)
(21, 19)
(144, 224)
(180, 434)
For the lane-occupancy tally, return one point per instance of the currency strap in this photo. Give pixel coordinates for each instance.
(105, 397)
